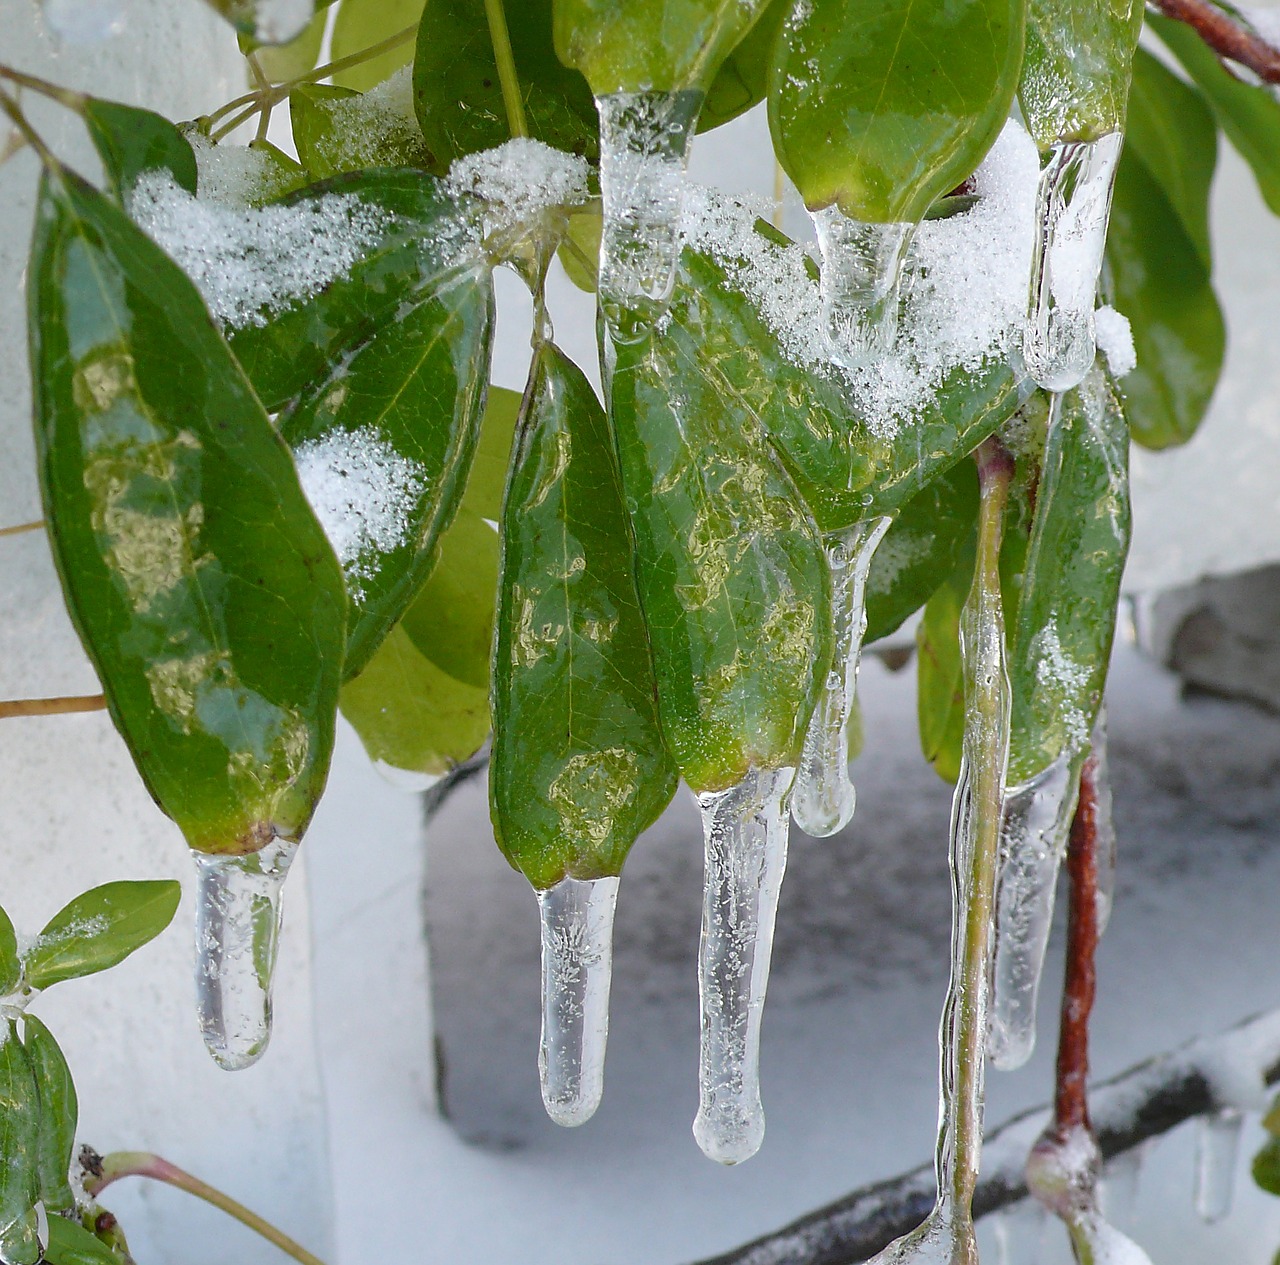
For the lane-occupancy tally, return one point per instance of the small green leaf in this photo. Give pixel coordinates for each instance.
(59, 1114)
(732, 575)
(579, 252)
(1271, 1121)
(337, 130)
(361, 24)
(10, 966)
(882, 107)
(267, 21)
(19, 1141)
(579, 768)
(488, 477)
(130, 141)
(1159, 281)
(1266, 1166)
(458, 95)
(282, 62)
(196, 574)
(940, 675)
(743, 78)
(99, 928)
(1248, 113)
(71, 1244)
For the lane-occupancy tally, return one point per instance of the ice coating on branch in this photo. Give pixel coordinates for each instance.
(1035, 823)
(1104, 823)
(237, 934)
(577, 962)
(745, 833)
(84, 21)
(249, 262)
(644, 154)
(1073, 207)
(1217, 1157)
(1114, 336)
(824, 796)
(964, 296)
(363, 492)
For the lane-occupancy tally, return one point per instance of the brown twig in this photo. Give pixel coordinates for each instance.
(1225, 35)
(51, 706)
(19, 529)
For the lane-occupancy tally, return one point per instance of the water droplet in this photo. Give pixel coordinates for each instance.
(1072, 210)
(84, 21)
(1217, 1154)
(861, 273)
(745, 831)
(237, 935)
(824, 797)
(577, 963)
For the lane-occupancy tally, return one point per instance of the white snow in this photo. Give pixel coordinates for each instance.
(1115, 340)
(371, 124)
(520, 180)
(230, 175)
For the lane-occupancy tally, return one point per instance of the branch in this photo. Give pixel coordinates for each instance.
(1225, 36)
(51, 706)
(1143, 1102)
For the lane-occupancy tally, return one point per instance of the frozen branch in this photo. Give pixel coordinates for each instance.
(1144, 1102)
(1225, 35)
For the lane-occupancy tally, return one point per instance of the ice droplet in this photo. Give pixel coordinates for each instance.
(644, 153)
(824, 797)
(861, 272)
(577, 962)
(1073, 206)
(1020, 1233)
(1217, 1152)
(1036, 820)
(237, 935)
(745, 831)
(84, 21)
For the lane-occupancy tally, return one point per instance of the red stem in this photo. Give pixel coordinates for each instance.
(1225, 36)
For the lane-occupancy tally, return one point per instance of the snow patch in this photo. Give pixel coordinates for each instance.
(520, 180)
(1115, 340)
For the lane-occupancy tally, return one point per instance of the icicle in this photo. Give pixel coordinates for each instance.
(824, 796)
(1073, 206)
(1217, 1152)
(1036, 820)
(644, 151)
(84, 21)
(1119, 1186)
(1020, 1233)
(861, 272)
(237, 934)
(745, 830)
(577, 961)
(1106, 827)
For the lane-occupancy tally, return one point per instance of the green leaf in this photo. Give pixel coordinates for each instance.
(412, 715)
(267, 21)
(488, 477)
(337, 130)
(361, 24)
(424, 241)
(579, 768)
(196, 574)
(1172, 130)
(283, 62)
(59, 1114)
(10, 966)
(1248, 113)
(71, 1244)
(579, 252)
(130, 141)
(19, 1140)
(732, 575)
(1271, 1121)
(1075, 74)
(1060, 647)
(99, 928)
(940, 674)
(278, 175)
(1159, 281)
(743, 78)
(650, 45)
(1266, 1166)
(458, 95)
(882, 107)
(930, 536)
(384, 442)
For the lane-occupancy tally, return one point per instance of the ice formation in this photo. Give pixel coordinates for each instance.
(1217, 1157)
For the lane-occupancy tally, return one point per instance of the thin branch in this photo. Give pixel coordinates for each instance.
(1227, 37)
(51, 706)
(55, 92)
(502, 54)
(1144, 1102)
(20, 528)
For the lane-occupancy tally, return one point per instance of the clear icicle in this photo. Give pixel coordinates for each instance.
(745, 830)
(577, 963)
(1020, 1233)
(1072, 208)
(84, 21)
(237, 935)
(1105, 827)
(824, 797)
(861, 274)
(644, 151)
(1034, 830)
(1217, 1155)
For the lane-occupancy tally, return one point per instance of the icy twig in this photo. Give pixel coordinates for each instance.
(51, 706)
(1221, 31)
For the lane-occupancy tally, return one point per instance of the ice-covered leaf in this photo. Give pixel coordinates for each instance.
(650, 45)
(71, 1244)
(579, 767)
(130, 141)
(881, 107)
(732, 576)
(338, 130)
(383, 444)
(930, 535)
(743, 77)
(10, 966)
(281, 62)
(59, 1114)
(579, 252)
(1060, 645)
(940, 674)
(269, 21)
(99, 928)
(199, 580)
(1160, 282)
(1248, 113)
(1075, 73)
(19, 1142)
(458, 94)
(488, 477)
(360, 24)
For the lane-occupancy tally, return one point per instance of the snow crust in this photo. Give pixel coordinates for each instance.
(229, 175)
